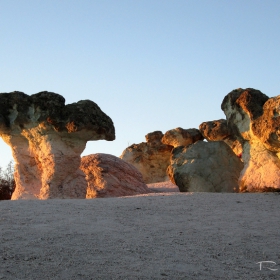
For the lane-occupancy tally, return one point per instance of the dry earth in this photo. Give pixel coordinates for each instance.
(156, 236)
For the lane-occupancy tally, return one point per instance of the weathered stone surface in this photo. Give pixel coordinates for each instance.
(151, 158)
(47, 138)
(254, 119)
(235, 145)
(154, 138)
(110, 176)
(205, 167)
(261, 169)
(217, 130)
(181, 137)
(241, 106)
(267, 127)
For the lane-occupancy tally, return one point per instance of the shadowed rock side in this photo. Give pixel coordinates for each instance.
(151, 158)
(181, 137)
(254, 119)
(110, 176)
(205, 167)
(47, 138)
(218, 131)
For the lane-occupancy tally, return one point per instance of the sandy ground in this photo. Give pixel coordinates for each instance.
(158, 236)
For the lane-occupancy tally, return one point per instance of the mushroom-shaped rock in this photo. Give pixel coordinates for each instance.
(151, 158)
(181, 137)
(110, 176)
(47, 138)
(218, 131)
(254, 118)
(205, 167)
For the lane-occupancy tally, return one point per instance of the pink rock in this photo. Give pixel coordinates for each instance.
(110, 176)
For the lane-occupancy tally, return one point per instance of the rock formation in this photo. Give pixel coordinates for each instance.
(242, 107)
(110, 176)
(47, 138)
(218, 131)
(254, 119)
(151, 158)
(181, 137)
(205, 167)
(261, 170)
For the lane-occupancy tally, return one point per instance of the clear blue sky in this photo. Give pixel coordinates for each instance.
(149, 64)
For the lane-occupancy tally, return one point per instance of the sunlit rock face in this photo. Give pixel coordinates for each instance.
(110, 176)
(217, 130)
(205, 167)
(47, 138)
(267, 127)
(254, 119)
(151, 158)
(181, 137)
(261, 169)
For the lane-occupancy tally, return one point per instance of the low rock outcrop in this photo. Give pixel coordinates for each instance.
(181, 137)
(253, 117)
(110, 176)
(151, 158)
(47, 138)
(218, 131)
(205, 167)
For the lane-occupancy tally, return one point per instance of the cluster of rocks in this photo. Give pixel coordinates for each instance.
(241, 153)
(237, 154)
(188, 161)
